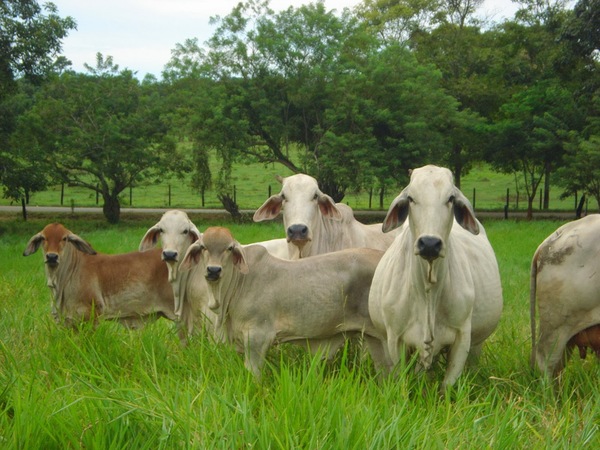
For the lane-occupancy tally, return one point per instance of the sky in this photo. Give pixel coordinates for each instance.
(140, 34)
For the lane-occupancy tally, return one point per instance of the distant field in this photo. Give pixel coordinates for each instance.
(485, 188)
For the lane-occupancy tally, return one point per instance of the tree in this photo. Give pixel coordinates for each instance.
(102, 131)
(532, 134)
(30, 41)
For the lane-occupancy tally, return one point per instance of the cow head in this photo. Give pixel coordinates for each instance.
(176, 232)
(303, 204)
(219, 253)
(54, 240)
(431, 202)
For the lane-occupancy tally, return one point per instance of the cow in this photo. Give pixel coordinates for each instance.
(177, 232)
(131, 288)
(565, 281)
(314, 223)
(437, 287)
(261, 300)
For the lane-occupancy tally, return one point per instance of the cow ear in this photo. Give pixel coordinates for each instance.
(195, 234)
(239, 258)
(80, 244)
(464, 214)
(328, 207)
(150, 238)
(33, 244)
(192, 256)
(270, 209)
(397, 212)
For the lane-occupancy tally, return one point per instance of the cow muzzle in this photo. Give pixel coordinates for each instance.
(169, 255)
(213, 273)
(429, 247)
(52, 259)
(298, 234)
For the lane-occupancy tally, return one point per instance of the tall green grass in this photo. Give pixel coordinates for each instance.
(115, 388)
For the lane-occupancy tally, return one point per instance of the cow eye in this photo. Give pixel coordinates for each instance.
(451, 199)
(316, 196)
(230, 248)
(283, 197)
(186, 231)
(160, 230)
(410, 199)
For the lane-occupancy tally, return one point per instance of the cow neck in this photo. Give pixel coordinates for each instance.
(430, 276)
(227, 291)
(329, 238)
(57, 279)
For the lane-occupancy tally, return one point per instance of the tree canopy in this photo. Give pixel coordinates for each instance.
(354, 98)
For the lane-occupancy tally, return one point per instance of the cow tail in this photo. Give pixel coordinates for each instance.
(532, 298)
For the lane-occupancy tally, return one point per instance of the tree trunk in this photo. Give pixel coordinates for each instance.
(23, 208)
(111, 208)
(530, 199)
(547, 187)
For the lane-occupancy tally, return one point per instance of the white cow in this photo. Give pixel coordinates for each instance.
(314, 223)
(177, 232)
(261, 300)
(438, 286)
(565, 277)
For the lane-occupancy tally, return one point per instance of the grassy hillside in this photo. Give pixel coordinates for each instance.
(115, 388)
(482, 185)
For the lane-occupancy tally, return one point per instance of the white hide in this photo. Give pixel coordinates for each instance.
(565, 279)
(314, 224)
(438, 286)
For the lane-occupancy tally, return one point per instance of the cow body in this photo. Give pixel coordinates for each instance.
(438, 286)
(261, 300)
(565, 280)
(131, 288)
(314, 224)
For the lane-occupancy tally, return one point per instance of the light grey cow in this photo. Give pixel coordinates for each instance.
(438, 286)
(314, 224)
(565, 280)
(261, 300)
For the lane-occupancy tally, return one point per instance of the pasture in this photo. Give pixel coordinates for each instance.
(115, 388)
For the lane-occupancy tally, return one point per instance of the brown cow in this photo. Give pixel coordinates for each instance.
(131, 288)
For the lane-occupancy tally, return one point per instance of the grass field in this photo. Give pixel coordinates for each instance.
(485, 188)
(115, 388)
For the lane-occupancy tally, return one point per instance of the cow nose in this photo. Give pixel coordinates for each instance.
(429, 247)
(213, 273)
(169, 255)
(52, 259)
(297, 232)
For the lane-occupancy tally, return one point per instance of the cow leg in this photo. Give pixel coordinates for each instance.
(457, 358)
(550, 354)
(327, 347)
(393, 346)
(379, 354)
(256, 346)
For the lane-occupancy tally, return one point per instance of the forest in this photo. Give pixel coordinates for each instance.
(354, 98)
